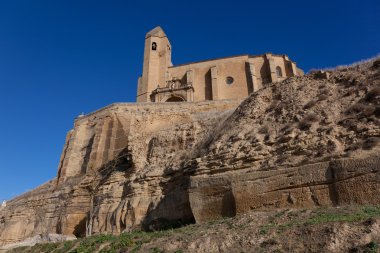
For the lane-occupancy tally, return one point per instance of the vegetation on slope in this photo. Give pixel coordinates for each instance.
(344, 229)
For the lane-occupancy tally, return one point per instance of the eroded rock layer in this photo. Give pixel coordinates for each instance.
(116, 172)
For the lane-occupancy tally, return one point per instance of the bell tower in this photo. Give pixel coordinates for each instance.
(157, 59)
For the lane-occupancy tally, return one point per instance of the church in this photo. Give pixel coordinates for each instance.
(232, 77)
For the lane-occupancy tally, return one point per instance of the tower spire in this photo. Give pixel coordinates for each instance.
(156, 32)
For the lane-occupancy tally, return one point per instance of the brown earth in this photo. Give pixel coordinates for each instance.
(302, 143)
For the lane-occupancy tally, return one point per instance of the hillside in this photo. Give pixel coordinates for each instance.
(304, 143)
(344, 229)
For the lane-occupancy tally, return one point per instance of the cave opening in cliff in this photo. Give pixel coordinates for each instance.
(80, 229)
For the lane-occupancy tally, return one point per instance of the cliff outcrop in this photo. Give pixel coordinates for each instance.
(305, 142)
(116, 167)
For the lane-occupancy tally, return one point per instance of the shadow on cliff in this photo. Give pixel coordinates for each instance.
(174, 208)
(121, 163)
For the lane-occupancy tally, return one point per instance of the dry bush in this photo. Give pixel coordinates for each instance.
(307, 121)
(371, 142)
(360, 108)
(369, 110)
(280, 107)
(376, 64)
(277, 97)
(272, 106)
(349, 92)
(377, 111)
(331, 146)
(322, 97)
(284, 139)
(356, 108)
(304, 125)
(287, 129)
(311, 117)
(310, 104)
(282, 158)
(263, 130)
(354, 146)
(324, 91)
(372, 95)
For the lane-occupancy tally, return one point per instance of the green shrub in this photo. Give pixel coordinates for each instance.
(371, 247)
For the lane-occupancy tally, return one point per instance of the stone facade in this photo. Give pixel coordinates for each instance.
(224, 78)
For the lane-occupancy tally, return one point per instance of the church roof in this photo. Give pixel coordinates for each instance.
(156, 32)
(227, 57)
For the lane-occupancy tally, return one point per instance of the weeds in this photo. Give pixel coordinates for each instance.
(372, 247)
(360, 215)
(133, 242)
(265, 228)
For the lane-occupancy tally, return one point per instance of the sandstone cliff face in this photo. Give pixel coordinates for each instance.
(116, 171)
(305, 142)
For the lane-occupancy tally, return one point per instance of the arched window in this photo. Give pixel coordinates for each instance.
(154, 46)
(175, 99)
(278, 71)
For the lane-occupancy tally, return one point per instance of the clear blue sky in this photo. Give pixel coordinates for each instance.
(63, 57)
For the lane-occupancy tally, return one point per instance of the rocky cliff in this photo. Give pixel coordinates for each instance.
(305, 142)
(117, 172)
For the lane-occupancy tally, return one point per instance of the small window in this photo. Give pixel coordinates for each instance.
(229, 80)
(278, 71)
(154, 46)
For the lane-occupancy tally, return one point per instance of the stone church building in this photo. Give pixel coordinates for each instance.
(224, 78)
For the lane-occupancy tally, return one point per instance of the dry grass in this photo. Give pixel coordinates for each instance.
(365, 63)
